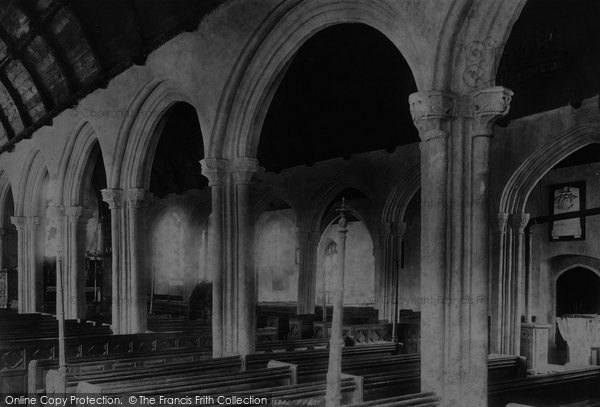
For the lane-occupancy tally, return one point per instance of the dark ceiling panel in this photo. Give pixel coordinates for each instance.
(54, 52)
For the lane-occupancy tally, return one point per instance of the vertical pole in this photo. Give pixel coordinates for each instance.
(62, 361)
(333, 396)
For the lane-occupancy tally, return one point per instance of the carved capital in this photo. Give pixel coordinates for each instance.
(486, 106)
(215, 170)
(502, 221)
(76, 213)
(520, 221)
(113, 197)
(431, 112)
(19, 222)
(135, 197)
(244, 169)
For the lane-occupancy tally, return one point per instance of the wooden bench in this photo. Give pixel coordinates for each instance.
(303, 394)
(408, 400)
(300, 344)
(141, 373)
(259, 360)
(557, 388)
(36, 382)
(16, 355)
(275, 375)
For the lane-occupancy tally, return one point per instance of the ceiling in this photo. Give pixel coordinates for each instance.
(552, 56)
(54, 52)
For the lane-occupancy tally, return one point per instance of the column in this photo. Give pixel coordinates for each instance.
(22, 283)
(243, 171)
(498, 286)
(455, 133)
(114, 198)
(396, 282)
(74, 265)
(34, 269)
(215, 169)
(308, 242)
(134, 279)
(517, 282)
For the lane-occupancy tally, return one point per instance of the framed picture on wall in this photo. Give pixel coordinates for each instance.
(565, 198)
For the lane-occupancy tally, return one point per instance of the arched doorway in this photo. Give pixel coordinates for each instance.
(577, 292)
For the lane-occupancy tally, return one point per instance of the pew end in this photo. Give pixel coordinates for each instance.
(357, 394)
(293, 369)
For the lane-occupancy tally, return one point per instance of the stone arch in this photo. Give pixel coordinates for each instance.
(30, 185)
(521, 183)
(140, 131)
(310, 219)
(266, 194)
(76, 162)
(399, 198)
(5, 192)
(471, 43)
(267, 55)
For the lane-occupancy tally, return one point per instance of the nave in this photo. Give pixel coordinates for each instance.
(312, 201)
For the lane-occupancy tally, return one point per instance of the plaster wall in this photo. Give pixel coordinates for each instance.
(176, 245)
(359, 273)
(275, 257)
(410, 281)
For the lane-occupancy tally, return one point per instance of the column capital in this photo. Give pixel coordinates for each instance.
(502, 221)
(520, 221)
(76, 213)
(135, 197)
(244, 169)
(431, 112)
(214, 169)
(113, 197)
(18, 221)
(485, 106)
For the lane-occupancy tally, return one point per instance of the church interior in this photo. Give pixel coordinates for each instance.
(300, 202)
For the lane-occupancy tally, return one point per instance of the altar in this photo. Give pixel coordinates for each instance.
(581, 332)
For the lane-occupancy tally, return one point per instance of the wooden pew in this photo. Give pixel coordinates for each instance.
(259, 360)
(389, 380)
(300, 344)
(410, 400)
(305, 393)
(164, 324)
(37, 370)
(142, 373)
(16, 355)
(557, 388)
(275, 375)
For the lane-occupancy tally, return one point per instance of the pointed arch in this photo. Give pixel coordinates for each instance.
(399, 198)
(532, 170)
(140, 132)
(268, 52)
